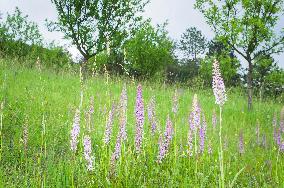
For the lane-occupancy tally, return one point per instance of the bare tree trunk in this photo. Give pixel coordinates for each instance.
(249, 82)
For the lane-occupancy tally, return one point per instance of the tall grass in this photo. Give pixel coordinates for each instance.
(49, 102)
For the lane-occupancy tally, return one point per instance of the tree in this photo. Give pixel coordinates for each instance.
(149, 50)
(192, 43)
(93, 25)
(229, 69)
(2, 29)
(247, 26)
(264, 67)
(182, 71)
(17, 27)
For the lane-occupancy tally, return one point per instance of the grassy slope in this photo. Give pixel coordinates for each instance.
(49, 161)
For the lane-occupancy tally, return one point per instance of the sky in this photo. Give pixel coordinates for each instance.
(180, 15)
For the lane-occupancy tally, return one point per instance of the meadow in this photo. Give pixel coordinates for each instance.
(38, 110)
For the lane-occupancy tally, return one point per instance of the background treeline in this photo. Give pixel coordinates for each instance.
(134, 48)
(22, 40)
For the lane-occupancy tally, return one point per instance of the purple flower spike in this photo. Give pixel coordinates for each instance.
(117, 149)
(190, 142)
(123, 113)
(75, 131)
(195, 113)
(109, 126)
(164, 143)
(139, 112)
(202, 135)
(218, 85)
(152, 115)
(88, 153)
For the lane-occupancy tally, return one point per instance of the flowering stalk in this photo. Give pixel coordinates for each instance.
(152, 115)
(88, 153)
(81, 88)
(175, 111)
(241, 144)
(90, 113)
(123, 113)
(164, 144)
(116, 153)
(210, 148)
(139, 112)
(109, 126)
(190, 135)
(202, 135)
(75, 131)
(195, 120)
(220, 99)
(175, 103)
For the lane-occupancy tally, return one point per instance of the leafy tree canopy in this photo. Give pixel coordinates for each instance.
(149, 51)
(17, 27)
(247, 26)
(192, 43)
(95, 25)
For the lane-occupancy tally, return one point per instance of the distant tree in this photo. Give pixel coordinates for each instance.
(182, 70)
(2, 30)
(274, 84)
(17, 27)
(229, 69)
(247, 26)
(217, 48)
(263, 67)
(149, 51)
(192, 43)
(94, 26)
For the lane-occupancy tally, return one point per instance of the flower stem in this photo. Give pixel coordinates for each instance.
(222, 183)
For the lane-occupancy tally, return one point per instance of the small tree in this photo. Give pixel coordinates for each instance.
(229, 68)
(17, 27)
(192, 43)
(149, 51)
(264, 69)
(247, 26)
(94, 26)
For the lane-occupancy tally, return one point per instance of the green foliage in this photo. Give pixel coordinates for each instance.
(49, 104)
(54, 57)
(182, 71)
(94, 26)
(229, 69)
(21, 39)
(269, 78)
(17, 27)
(247, 26)
(192, 43)
(148, 51)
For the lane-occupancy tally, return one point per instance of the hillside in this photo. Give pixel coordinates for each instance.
(37, 117)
